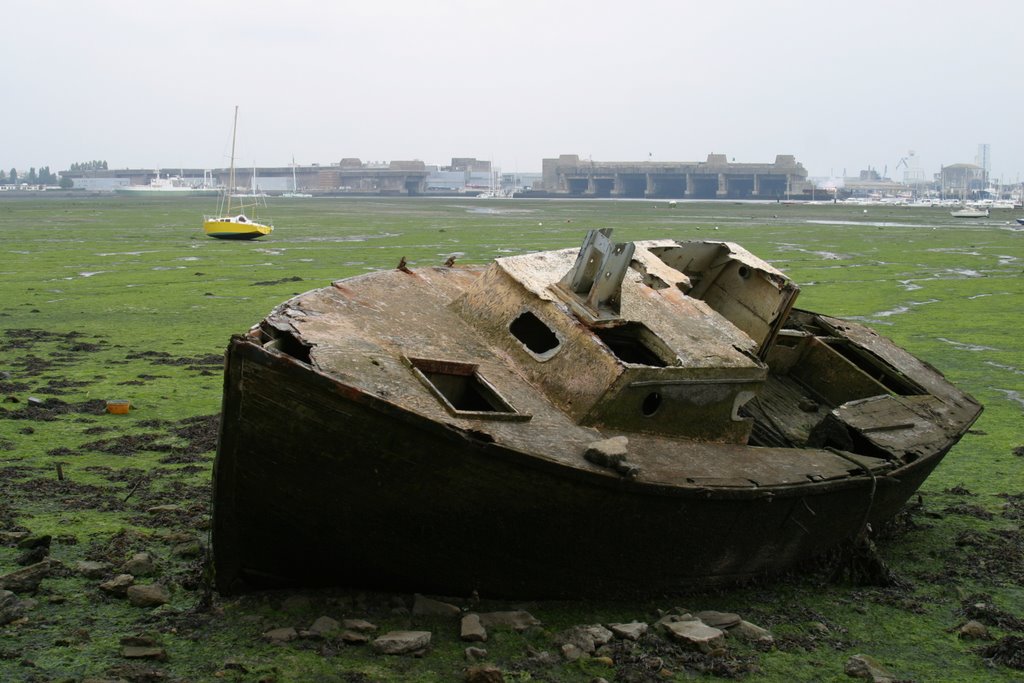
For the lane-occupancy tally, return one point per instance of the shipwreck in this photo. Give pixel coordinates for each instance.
(623, 418)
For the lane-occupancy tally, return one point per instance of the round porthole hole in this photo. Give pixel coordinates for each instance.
(651, 404)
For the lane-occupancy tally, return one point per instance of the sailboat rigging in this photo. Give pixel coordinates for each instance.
(231, 223)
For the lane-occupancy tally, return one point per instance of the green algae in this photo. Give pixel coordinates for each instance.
(131, 301)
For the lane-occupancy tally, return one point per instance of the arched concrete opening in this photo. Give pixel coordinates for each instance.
(772, 186)
(667, 186)
(632, 185)
(740, 187)
(577, 185)
(705, 187)
(603, 187)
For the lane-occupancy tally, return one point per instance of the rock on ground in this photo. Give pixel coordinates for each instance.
(484, 674)
(281, 635)
(401, 642)
(471, 629)
(631, 631)
(118, 586)
(423, 606)
(517, 620)
(148, 595)
(27, 580)
(696, 634)
(11, 607)
(864, 666)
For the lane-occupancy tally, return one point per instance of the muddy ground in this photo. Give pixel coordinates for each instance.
(104, 491)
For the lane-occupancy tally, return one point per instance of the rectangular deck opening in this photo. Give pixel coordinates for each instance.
(462, 390)
(634, 343)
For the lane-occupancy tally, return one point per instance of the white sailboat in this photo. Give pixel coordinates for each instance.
(295, 187)
(231, 223)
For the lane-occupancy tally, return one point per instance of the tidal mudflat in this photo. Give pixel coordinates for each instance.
(116, 299)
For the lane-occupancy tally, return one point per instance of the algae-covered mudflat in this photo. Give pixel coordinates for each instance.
(107, 299)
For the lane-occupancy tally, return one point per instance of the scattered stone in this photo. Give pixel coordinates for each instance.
(118, 586)
(188, 549)
(32, 556)
(586, 639)
(401, 642)
(354, 638)
(92, 570)
(27, 580)
(598, 633)
(148, 595)
(324, 626)
(517, 620)
(722, 620)
(544, 659)
(475, 654)
(12, 537)
(973, 630)
(280, 636)
(572, 652)
(357, 625)
(673, 617)
(486, 673)
(29, 542)
(140, 564)
(139, 652)
(11, 607)
(423, 606)
(864, 666)
(696, 635)
(820, 627)
(751, 633)
(472, 630)
(631, 631)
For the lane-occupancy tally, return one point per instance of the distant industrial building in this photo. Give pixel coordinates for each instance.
(715, 178)
(349, 176)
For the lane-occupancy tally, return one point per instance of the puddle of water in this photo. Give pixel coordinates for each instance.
(966, 347)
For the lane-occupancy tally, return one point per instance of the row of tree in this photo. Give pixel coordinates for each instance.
(41, 177)
(95, 165)
(45, 177)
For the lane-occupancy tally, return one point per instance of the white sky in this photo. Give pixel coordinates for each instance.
(843, 86)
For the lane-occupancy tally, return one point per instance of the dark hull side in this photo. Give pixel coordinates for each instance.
(316, 483)
(235, 235)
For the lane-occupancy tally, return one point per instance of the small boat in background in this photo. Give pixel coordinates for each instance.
(969, 212)
(231, 223)
(295, 185)
(1021, 221)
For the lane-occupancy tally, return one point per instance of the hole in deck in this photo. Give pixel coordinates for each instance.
(462, 390)
(634, 343)
(534, 334)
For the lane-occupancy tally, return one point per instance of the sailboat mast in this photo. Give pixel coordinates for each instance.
(231, 173)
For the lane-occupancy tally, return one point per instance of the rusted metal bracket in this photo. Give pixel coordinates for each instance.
(593, 287)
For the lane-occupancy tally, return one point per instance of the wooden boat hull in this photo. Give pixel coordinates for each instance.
(350, 489)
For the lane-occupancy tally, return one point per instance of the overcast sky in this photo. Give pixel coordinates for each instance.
(840, 85)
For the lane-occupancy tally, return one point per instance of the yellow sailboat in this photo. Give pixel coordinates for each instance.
(231, 223)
